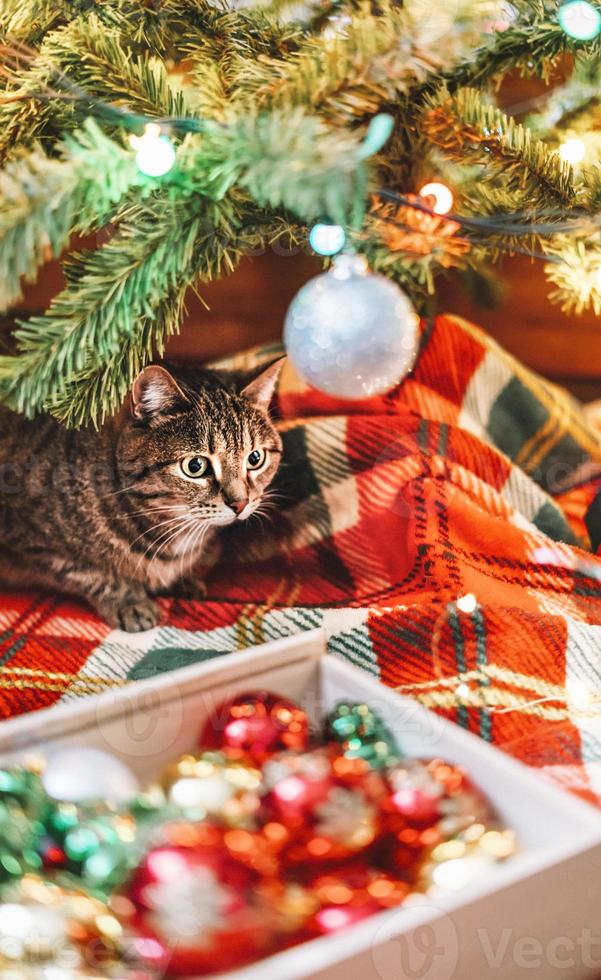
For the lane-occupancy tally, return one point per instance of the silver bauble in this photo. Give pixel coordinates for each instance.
(350, 333)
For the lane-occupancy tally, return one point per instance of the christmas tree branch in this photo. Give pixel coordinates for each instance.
(288, 160)
(110, 289)
(470, 130)
(148, 261)
(577, 274)
(99, 389)
(347, 74)
(43, 202)
(533, 44)
(97, 60)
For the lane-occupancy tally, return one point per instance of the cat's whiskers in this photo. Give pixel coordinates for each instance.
(198, 537)
(170, 533)
(153, 510)
(115, 493)
(185, 551)
(155, 527)
(192, 520)
(129, 545)
(194, 523)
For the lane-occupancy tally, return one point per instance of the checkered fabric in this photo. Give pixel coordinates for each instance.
(473, 476)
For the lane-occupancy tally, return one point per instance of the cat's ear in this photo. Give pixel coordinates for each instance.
(260, 389)
(156, 392)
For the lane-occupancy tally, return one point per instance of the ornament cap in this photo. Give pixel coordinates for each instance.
(348, 264)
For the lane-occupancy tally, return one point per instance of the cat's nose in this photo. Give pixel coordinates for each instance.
(238, 505)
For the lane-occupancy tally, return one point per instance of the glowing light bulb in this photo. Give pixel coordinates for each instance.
(443, 196)
(598, 278)
(580, 19)
(467, 603)
(572, 151)
(155, 153)
(579, 694)
(327, 239)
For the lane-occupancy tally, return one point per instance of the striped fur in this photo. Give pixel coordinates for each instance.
(111, 515)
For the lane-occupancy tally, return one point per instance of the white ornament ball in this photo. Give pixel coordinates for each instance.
(29, 931)
(83, 775)
(350, 333)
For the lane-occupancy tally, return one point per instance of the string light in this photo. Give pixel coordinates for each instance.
(467, 603)
(578, 694)
(443, 196)
(155, 153)
(327, 239)
(580, 19)
(572, 151)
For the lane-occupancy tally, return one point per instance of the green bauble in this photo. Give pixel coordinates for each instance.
(362, 734)
(23, 808)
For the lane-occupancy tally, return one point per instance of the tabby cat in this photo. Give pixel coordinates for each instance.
(120, 515)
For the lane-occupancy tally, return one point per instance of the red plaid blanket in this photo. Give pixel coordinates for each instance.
(470, 479)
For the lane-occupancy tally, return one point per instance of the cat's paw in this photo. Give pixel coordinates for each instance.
(184, 589)
(136, 616)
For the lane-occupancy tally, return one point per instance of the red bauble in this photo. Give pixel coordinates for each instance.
(414, 794)
(463, 803)
(326, 804)
(351, 893)
(258, 723)
(427, 802)
(197, 909)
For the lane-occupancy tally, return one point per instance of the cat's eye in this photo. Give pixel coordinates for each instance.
(255, 460)
(195, 466)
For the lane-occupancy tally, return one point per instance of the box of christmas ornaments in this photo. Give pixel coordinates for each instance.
(279, 814)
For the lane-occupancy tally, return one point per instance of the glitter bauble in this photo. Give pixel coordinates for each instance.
(471, 855)
(415, 794)
(350, 333)
(350, 893)
(197, 909)
(258, 723)
(214, 784)
(326, 803)
(428, 804)
(48, 930)
(361, 734)
(83, 775)
(23, 808)
(100, 849)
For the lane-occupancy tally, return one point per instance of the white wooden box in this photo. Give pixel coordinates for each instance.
(536, 916)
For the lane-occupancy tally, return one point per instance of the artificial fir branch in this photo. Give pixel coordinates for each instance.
(44, 201)
(29, 20)
(470, 129)
(347, 74)
(87, 324)
(278, 110)
(577, 276)
(99, 388)
(161, 247)
(99, 61)
(284, 160)
(533, 45)
(24, 116)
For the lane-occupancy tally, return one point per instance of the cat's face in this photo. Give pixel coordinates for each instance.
(199, 445)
